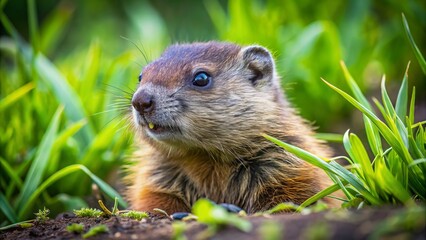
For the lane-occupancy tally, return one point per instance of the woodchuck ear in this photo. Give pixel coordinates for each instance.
(259, 61)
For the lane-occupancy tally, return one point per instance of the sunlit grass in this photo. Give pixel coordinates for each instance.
(396, 174)
(59, 126)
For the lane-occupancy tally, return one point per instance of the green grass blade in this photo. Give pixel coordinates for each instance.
(330, 167)
(416, 50)
(387, 103)
(357, 152)
(312, 159)
(60, 140)
(397, 128)
(356, 183)
(392, 118)
(15, 180)
(101, 141)
(337, 180)
(329, 190)
(285, 206)
(33, 25)
(39, 164)
(108, 190)
(384, 130)
(52, 77)
(412, 106)
(7, 209)
(390, 184)
(68, 132)
(402, 99)
(215, 215)
(418, 161)
(373, 136)
(354, 87)
(419, 145)
(414, 146)
(54, 27)
(2, 3)
(16, 95)
(421, 139)
(62, 173)
(330, 137)
(66, 95)
(12, 174)
(92, 70)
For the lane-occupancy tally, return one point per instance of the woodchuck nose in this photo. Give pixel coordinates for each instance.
(199, 112)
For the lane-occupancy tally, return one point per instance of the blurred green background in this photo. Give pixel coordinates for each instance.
(85, 55)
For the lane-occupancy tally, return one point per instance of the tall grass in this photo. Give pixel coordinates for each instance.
(396, 173)
(60, 132)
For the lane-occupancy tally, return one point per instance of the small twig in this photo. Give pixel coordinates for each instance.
(105, 209)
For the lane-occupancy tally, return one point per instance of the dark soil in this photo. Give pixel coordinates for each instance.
(383, 223)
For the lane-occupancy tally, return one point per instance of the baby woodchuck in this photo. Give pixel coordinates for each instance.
(199, 112)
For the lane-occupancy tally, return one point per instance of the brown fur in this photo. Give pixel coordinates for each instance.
(216, 150)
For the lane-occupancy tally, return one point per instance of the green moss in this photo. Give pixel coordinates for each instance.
(88, 212)
(135, 215)
(42, 215)
(26, 225)
(75, 228)
(95, 230)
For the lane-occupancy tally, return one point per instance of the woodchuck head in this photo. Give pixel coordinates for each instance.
(213, 97)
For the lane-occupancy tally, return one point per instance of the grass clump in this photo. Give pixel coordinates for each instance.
(136, 215)
(396, 172)
(88, 212)
(44, 144)
(95, 230)
(75, 228)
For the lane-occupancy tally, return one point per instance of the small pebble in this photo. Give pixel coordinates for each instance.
(179, 215)
(231, 207)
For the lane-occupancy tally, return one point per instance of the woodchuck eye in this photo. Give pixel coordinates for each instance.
(201, 79)
(140, 77)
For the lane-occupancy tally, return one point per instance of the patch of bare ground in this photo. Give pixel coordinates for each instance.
(380, 223)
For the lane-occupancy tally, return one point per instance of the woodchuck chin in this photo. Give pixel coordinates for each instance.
(199, 112)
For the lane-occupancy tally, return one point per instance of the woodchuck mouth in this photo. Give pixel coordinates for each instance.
(158, 129)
